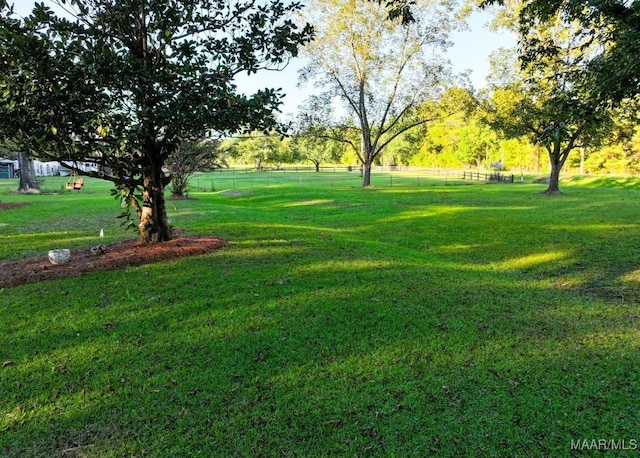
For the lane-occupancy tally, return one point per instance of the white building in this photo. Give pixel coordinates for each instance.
(84, 166)
(46, 169)
(9, 168)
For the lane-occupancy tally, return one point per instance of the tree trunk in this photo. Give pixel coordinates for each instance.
(317, 164)
(179, 183)
(28, 182)
(366, 150)
(556, 160)
(154, 224)
(366, 180)
(554, 179)
(368, 155)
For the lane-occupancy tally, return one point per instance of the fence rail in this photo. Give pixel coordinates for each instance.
(463, 174)
(495, 177)
(238, 178)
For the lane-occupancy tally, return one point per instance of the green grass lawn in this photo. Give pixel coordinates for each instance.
(401, 320)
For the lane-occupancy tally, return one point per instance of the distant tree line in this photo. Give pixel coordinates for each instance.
(481, 131)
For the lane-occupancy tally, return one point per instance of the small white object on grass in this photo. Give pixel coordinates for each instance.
(101, 233)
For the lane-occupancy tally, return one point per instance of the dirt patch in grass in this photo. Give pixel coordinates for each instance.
(9, 206)
(234, 193)
(115, 256)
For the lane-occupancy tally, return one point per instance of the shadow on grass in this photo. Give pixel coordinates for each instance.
(259, 350)
(397, 327)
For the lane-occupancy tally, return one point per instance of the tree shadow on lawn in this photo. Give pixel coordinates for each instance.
(602, 264)
(262, 350)
(271, 354)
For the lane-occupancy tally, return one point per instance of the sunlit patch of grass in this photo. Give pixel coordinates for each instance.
(533, 260)
(603, 182)
(346, 266)
(458, 247)
(310, 202)
(631, 277)
(427, 213)
(503, 323)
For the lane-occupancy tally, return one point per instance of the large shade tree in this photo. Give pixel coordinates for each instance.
(26, 171)
(375, 72)
(123, 83)
(27, 174)
(555, 101)
(607, 70)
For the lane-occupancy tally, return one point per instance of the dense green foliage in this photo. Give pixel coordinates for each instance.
(122, 84)
(615, 70)
(434, 321)
(192, 157)
(260, 149)
(577, 60)
(468, 130)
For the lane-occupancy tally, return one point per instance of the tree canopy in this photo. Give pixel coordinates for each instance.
(614, 69)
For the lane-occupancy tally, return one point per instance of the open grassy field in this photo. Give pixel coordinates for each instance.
(401, 320)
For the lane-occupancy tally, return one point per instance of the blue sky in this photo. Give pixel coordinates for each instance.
(471, 49)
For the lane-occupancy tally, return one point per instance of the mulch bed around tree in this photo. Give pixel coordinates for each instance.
(116, 256)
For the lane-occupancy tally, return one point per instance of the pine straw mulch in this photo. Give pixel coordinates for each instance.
(118, 255)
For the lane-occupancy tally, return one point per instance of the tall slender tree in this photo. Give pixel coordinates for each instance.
(376, 72)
